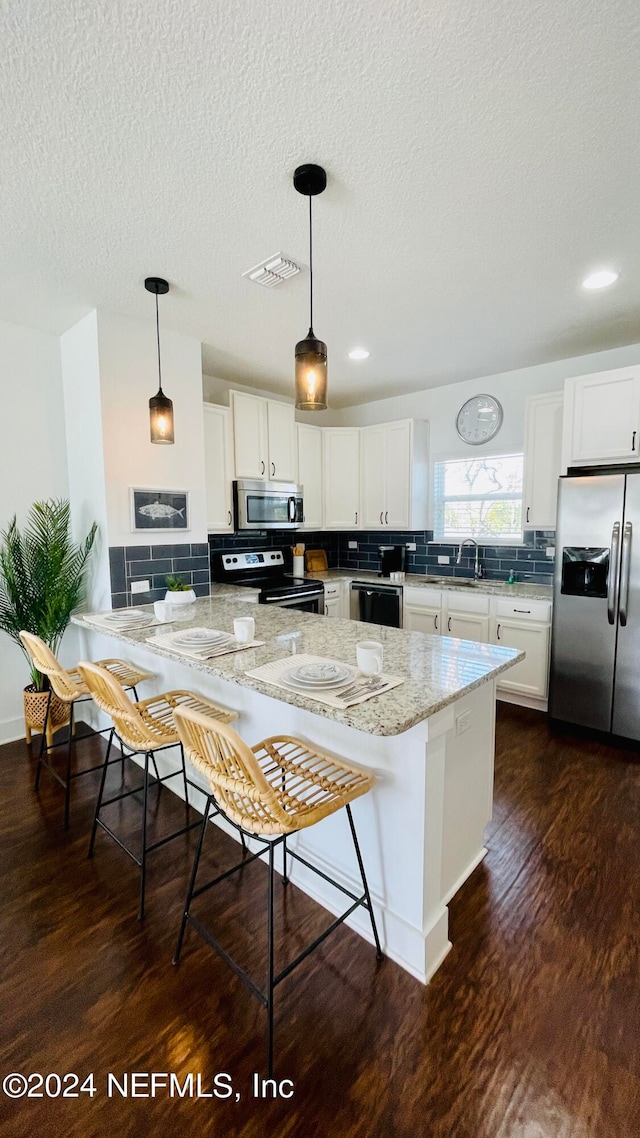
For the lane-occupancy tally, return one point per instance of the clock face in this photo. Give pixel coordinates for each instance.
(479, 419)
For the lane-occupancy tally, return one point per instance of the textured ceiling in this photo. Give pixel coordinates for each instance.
(482, 157)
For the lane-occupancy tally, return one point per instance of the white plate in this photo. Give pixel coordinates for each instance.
(302, 686)
(321, 673)
(133, 622)
(203, 637)
(125, 615)
(201, 645)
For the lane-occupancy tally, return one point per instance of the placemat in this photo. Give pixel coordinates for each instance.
(272, 674)
(99, 621)
(202, 653)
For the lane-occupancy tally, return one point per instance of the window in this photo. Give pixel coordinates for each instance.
(480, 498)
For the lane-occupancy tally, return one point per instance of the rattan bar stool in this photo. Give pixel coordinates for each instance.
(271, 790)
(143, 728)
(70, 689)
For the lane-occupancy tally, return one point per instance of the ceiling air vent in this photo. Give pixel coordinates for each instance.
(273, 271)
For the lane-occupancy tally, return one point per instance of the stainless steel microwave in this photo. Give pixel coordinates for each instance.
(267, 505)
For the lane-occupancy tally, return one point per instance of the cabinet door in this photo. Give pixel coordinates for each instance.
(531, 675)
(310, 473)
(250, 435)
(332, 606)
(281, 426)
(417, 618)
(218, 448)
(466, 626)
(542, 459)
(606, 416)
(372, 472)
(398, 460)
(341, 477)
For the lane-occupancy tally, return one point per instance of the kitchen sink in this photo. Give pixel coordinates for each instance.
(465, 582)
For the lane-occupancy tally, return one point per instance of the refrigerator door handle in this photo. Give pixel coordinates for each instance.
(624, 574)
(612, 590)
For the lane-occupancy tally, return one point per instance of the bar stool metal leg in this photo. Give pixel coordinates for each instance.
(101, 793)
(43, 739)
(285, 877)
(270, 966)
(364, 882)
(192, 880)
(67, 789)
(143, 859)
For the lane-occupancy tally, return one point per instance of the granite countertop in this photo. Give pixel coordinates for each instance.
(522, 589)
(219, 592)
(438, 669)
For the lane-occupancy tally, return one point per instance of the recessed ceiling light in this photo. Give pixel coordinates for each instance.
(359, 354)
(600, 279)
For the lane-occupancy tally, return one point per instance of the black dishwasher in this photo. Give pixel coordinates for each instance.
(376, 604)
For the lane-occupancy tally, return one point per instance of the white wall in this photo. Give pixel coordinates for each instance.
(85, 457)
(440, 405)
(32, 467)
(128, 368)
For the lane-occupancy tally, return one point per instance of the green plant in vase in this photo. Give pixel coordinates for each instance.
(42, 579)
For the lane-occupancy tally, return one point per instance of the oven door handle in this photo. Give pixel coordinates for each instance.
(292, 597)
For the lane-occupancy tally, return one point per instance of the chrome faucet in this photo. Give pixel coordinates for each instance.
(477, 569)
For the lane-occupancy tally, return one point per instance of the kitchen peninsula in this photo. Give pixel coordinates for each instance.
(429, 741)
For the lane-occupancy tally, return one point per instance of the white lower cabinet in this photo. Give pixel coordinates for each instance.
(422, 610)
(336, 596)
(521, 624)
(525, 625)
(466, 617)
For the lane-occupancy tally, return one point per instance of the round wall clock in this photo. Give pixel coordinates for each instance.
(479, 419)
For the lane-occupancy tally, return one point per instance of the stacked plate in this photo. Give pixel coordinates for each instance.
(202, 639)
(125, 619)
(318, 677)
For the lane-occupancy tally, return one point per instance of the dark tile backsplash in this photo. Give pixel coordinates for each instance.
(154, 563)
(191, 562)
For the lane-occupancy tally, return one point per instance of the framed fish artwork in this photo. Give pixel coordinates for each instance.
(159, 510)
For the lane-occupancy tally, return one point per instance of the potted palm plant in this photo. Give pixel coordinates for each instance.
(42, 575)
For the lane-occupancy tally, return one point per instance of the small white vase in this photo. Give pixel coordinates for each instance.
(180, 597)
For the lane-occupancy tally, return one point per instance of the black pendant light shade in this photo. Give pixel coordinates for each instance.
(160, 406)
(311, 353)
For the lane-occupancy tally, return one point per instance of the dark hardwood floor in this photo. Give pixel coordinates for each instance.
(531, 1028)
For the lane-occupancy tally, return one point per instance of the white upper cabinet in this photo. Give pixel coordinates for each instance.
(393, 474)
(310, 473)
(602, 417)
(264, 433)
(542, 460)
(372, 468)
(218, 459)
(341, 477)
(250, 435)
(281, 429)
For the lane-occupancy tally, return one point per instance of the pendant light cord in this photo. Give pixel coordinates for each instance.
(158, 339)
(310, 269)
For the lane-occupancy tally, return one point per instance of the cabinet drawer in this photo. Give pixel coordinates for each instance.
(333, 590)
(467, 602)
(421, 598)
(525, 610)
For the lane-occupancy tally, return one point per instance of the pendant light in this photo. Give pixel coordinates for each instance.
(160, 406)
(311, 354)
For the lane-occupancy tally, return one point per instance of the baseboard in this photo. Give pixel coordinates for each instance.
(11, 729)
(532, 701)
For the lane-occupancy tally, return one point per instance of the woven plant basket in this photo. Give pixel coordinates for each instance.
(35, 709)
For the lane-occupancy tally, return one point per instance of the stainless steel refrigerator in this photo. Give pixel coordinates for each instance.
(595, 645)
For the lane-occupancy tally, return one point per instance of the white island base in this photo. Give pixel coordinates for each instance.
(420, 830)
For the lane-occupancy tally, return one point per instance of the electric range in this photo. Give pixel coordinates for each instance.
(264, 570)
